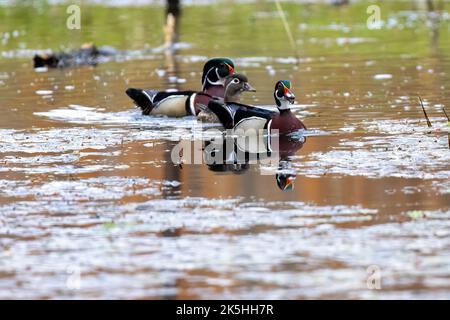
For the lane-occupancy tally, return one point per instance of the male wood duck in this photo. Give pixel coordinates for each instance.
(185, 103)
(238, 116)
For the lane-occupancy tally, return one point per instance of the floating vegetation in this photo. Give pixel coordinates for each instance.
(416, 214)
(401, 151)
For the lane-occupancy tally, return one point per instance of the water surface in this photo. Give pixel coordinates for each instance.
(88, 190)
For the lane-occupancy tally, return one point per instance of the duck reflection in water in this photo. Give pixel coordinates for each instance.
(232, 154)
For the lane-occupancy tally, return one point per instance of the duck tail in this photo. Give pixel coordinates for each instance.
(45, 61)
(143, 99)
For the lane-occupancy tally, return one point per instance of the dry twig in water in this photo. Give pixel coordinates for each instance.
(448, 123)
(448, 119)
(425, 113)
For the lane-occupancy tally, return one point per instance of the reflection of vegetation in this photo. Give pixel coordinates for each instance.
(45, 27)
(235, 29)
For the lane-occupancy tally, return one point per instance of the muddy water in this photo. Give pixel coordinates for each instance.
(91, 205)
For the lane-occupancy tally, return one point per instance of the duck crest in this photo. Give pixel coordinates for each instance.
(215, 71)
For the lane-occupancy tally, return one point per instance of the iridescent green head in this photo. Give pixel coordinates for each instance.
(215, 71)
(283, 94)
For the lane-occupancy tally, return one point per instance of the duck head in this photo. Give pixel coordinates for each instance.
(285, 182)
(235, 84)
(283, 94)
(215, 71)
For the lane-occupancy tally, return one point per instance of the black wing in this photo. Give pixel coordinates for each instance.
(220, 110)
(243, 111)
(231, 113)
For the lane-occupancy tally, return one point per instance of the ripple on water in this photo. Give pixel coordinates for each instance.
(58, 140)
(100, 188)
(405, 149)
(298, 249)
(155, 127)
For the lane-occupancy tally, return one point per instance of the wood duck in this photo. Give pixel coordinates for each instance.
(185, 103)
(236, 116)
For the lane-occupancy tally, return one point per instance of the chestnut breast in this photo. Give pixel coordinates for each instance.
(286, 122)
(202, 99)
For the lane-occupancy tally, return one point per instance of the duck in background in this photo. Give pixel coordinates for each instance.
(185, 103)
(87, 55)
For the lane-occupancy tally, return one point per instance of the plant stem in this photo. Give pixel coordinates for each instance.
(425, 113)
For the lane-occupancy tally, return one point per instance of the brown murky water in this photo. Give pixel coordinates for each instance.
(91, 205)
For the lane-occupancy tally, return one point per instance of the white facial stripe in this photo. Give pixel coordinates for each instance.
(206, 77)
(216, 83)
(220, 82)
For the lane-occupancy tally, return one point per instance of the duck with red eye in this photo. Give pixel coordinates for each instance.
(236, 116)
(286, 121)
(283, 94)
(185, 103)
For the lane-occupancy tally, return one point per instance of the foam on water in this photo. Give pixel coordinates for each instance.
(304, 243)
(88, 115)
(86, 190)
(406, 149)
(93, 189)
(58, 140)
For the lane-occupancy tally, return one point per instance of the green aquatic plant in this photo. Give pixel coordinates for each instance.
(415, 214)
